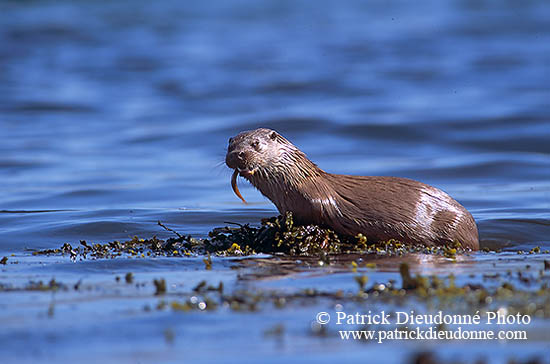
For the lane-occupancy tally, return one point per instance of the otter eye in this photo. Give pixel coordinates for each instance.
(255, 144)
(273, 135)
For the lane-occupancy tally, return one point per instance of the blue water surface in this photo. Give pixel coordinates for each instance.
(114, 115)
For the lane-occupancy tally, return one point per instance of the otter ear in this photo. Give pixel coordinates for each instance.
(273, 135)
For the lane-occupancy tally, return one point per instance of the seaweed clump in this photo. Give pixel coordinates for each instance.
(275, 235)
(281, 235)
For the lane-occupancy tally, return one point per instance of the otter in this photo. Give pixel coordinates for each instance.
(380, 208)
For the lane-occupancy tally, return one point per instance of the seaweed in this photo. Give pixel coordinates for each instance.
(160, 286)
(435, 292)
(275, 235)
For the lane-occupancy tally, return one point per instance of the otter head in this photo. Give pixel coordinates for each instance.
(257, 150)
(265, 158)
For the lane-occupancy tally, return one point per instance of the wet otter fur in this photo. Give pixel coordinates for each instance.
(381, 208)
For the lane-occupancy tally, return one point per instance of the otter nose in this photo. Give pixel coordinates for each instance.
(235, 159)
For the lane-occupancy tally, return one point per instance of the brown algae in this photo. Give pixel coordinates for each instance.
(280, 237)
(276, 235)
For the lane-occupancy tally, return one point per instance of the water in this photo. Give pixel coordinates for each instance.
(116, 115)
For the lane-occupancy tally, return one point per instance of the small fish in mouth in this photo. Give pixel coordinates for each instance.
(234, 185)
(243, 173)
